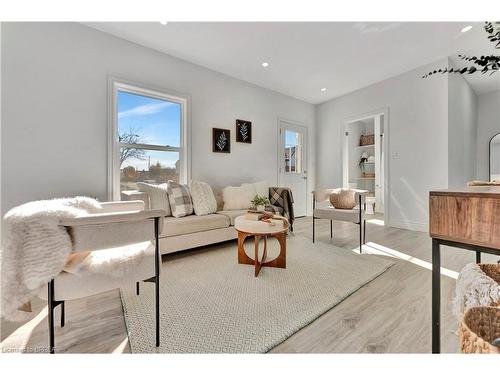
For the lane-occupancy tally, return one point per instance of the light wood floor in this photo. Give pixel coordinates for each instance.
(390, 314)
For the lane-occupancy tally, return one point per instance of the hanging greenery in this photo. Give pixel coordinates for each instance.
(482, 64)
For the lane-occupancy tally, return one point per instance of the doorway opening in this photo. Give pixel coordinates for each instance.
(365, 161)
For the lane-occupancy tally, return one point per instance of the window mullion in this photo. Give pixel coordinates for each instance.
(150, 147)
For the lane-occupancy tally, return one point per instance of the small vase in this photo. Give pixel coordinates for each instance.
(261, 207)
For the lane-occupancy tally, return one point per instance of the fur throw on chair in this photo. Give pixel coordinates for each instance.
(35, 248)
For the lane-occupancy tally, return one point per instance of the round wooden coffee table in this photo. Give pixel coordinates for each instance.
(261, 229)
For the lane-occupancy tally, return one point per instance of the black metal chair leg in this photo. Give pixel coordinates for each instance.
(50, 315)
(364, 232)
(157, 280)
(360, 226)
(137, 288)
(478, 257)
(360, 238)
(331, 228)
(313, 227)
(63, 314)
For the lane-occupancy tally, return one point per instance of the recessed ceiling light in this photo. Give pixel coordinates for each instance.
(323, 89)
(265, 64)
(163, 22)
(466, 28)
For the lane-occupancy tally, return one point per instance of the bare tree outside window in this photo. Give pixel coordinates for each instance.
(130, 137)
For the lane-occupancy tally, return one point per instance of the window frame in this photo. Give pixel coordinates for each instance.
(184, 149)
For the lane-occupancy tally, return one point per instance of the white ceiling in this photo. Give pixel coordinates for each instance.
(306, 56)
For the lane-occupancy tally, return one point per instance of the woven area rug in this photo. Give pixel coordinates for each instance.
(212, 304)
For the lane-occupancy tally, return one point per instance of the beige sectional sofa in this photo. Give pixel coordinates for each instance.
(193, 231)
(187, 232)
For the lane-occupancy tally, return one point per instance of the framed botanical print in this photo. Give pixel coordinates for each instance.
(243, 131)
(221, 140)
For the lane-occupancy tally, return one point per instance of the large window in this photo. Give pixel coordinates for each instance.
(149, 138)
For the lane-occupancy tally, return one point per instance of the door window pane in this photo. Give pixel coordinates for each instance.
(293, 152)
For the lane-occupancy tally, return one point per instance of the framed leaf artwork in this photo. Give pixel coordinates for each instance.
(243, 131)
(221, 140)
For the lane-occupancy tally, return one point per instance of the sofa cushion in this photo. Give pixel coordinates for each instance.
(174, 226)
(232, 214)
(204, 202)
(158, 197)
(238, 197)
(180, 199)
(261, 188)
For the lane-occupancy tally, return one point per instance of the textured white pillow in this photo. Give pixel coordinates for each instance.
(261, 188)
(204, 202)
(158, 196)
(238, 198)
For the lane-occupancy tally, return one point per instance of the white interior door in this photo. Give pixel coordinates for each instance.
(293, 164)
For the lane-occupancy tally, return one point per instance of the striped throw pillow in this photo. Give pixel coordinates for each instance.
(180, 199)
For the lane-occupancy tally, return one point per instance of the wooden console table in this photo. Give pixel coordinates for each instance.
(466, 218)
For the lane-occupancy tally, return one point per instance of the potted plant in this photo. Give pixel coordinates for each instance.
(260, 202)
(363, 160)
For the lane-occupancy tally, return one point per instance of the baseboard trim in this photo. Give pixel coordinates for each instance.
(409, 225)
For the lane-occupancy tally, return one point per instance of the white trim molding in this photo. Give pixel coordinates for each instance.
(117, 84)
(409, 225)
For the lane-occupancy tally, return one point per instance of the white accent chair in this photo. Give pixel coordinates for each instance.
(118, 225)
(322, 209)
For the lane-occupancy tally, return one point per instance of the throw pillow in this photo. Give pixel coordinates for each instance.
(158, 196)
(261, 188)
(180, 199)
(238, 197)
(204, 202)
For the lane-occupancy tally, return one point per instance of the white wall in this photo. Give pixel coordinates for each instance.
(462, 132)
(418, 139)
(488, 124)
(55, 112)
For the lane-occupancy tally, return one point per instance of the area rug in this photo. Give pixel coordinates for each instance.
(212, 304)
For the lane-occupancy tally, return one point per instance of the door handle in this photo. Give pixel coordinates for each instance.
(305, 178)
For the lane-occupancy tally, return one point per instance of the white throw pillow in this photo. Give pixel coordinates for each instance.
(158, 196)
(204, 202)
(180, 199)
(261, 188)
(238, 197)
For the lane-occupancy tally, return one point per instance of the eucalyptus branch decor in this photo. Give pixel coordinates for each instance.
(482, 64)
(243, 131)
(221, 140)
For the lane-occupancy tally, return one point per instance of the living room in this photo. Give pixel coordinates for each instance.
(249, 189)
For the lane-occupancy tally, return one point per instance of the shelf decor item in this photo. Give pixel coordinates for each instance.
(363, 160)
(221, 140)
(243, 131)
(367, 140)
